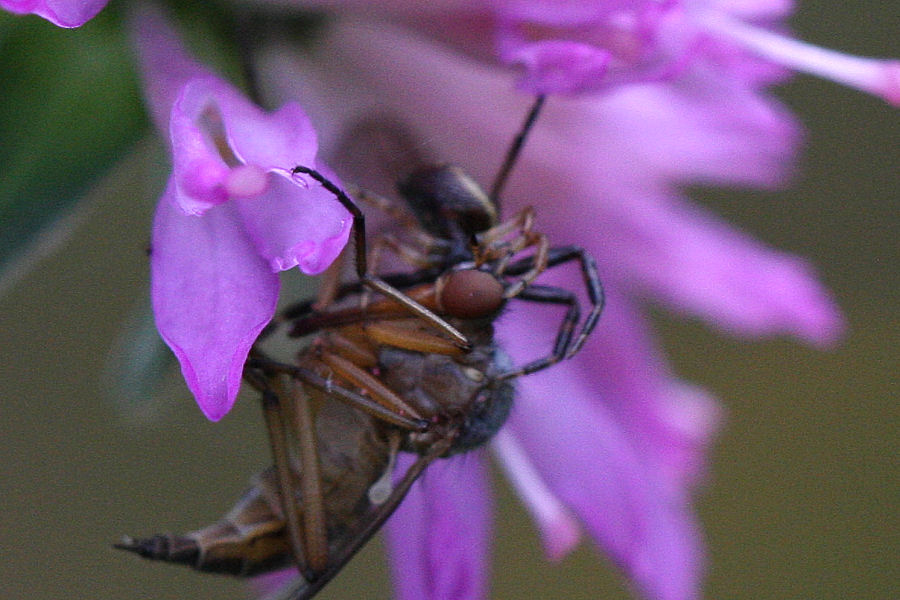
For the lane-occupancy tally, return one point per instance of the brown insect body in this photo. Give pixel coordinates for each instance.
(251, 538)
(461, 397)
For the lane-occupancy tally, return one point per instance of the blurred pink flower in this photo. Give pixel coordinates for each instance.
(232, 215)
(610, 441)
(65, 13)
(574, 46)
(579, 45)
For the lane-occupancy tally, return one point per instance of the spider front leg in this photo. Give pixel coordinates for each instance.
(362, 271)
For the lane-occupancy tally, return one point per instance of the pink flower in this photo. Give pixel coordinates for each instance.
(581, 45)
(232, 216)
(65, 13)
(611, 441)
(576, 46)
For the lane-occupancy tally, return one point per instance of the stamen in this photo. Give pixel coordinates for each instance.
(559, 528)
(880, 77)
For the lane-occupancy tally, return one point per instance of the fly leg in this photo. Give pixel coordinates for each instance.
(385, 510)
(493, 244)
(515, 149)
(260, 365)
(563, 254)
(415, 254)
(278, 424)
(315, 535)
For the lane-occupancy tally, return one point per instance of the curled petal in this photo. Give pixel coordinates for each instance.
(277, 141)
(589, 461)
(212, 127)
(65, 13)
(439, 537)
(295, 226)
(206, 108)
(212, 294)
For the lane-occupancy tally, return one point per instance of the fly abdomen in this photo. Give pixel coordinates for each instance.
(248, 541)
(164, 546)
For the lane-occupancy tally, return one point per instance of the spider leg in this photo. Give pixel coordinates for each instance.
(566, 344)
(362, 271)
(551, 295)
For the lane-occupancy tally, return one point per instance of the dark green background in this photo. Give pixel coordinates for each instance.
(802, 501)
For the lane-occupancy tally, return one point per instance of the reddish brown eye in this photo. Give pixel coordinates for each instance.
(471, 294)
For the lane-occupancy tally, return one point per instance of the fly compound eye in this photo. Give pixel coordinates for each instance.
(471, 294)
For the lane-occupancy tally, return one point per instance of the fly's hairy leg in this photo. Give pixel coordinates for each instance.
(260, 362)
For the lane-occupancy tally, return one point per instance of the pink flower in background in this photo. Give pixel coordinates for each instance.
(65, 13)
(231, 218)
(576, 46)
(583, 45)
(610, 442)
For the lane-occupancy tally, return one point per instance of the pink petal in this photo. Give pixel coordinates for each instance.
(292, 225)
(163, 60)
(65, 13)
(212, 294)
(664, 248)
(558, 66)
(590, 462)
(560, 531)
(581, 46)
(559, 13)
(439, 537)
(280, 140)
(271, 583)
(757, 9)
(669, 422)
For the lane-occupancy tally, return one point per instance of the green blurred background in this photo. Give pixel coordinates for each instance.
(803, 497)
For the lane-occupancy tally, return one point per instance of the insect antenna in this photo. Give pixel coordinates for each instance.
(515, 149)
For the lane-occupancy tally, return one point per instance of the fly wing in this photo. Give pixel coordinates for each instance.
(345, 547)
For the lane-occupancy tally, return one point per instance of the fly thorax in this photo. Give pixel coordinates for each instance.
(460, 396)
